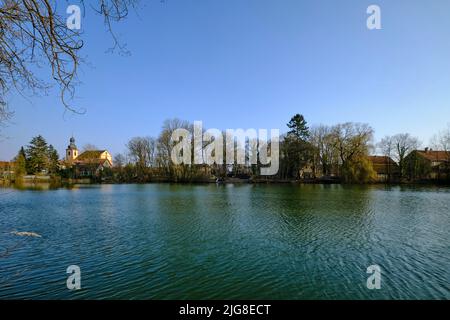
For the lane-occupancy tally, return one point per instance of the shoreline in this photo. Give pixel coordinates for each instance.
(61, 183)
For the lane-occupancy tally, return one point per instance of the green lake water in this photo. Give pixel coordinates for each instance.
(162, 241)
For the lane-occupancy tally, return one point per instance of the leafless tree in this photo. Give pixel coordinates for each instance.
(325, 156)
(165, 144)
(441, 141)
(386, 146)
(33, 34)
(119, 160)
(398, 147)
(141, 151)
(89, 147)
(404, 144)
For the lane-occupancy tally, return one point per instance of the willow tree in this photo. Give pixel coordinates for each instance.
(33, 33)
(352, 143)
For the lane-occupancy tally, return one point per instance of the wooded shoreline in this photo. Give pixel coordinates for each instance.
(57, 182)
(343, 153)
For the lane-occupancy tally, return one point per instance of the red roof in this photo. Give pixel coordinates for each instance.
(383, 165)
(435, 156)
(6, 164)
(381, 160)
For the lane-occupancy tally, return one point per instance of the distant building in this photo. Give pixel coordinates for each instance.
(386, 168)
(96, 155)
(6, 169)
(89, 163)
(306, 172)
(428, 164)
(92, 168)
(71, 151)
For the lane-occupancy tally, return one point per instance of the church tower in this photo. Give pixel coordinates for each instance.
(71, 151)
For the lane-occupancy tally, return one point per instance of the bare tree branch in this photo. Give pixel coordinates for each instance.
(34, 35)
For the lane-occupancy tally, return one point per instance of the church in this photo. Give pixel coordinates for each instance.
(89, 163)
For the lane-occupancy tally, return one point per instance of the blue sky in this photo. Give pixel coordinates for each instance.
(252, 64)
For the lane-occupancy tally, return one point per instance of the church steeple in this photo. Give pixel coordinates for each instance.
(71, 151)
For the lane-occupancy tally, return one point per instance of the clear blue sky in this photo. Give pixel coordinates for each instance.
(252, 64)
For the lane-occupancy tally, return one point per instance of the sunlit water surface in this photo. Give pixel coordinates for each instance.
(162, 241)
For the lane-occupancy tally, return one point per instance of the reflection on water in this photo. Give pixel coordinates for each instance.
(164, 241)
(38, 186)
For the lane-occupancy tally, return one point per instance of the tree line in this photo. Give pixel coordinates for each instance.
(38, 157)
(340, 152)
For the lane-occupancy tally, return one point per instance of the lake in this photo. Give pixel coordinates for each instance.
(164, 241)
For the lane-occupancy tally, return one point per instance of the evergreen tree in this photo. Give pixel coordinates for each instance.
(295, 154)
(53, 160)
(20, 164)
(299, 128)
(296, 151)
(37, 155)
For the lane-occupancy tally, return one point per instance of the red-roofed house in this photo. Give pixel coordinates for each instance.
(386, 168)
(89, 163)
(428, 164)
(6, 169)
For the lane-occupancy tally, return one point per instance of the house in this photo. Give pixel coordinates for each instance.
(6, 169)
(91, 168)
(386, 168)
(428, 164)
(90, 163)
(97, 155)
(306, 172)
